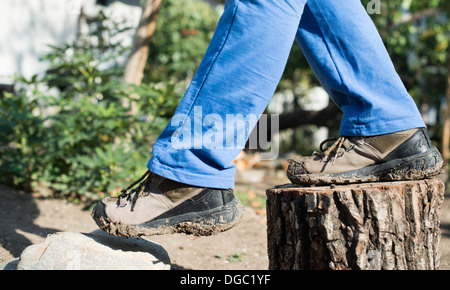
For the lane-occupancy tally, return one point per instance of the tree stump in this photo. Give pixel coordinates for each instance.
(386, 225)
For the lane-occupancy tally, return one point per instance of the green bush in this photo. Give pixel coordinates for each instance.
(22, 133)
(82, 143)
(72, 130)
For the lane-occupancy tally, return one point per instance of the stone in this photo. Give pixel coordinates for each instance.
(93, 251)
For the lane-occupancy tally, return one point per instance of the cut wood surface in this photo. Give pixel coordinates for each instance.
(388, 225)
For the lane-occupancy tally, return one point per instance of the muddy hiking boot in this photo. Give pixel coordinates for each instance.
(162, 206)
(405, 155)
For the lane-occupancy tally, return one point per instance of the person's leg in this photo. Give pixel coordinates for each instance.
(347, 54)
(238, 76)
(188, 185)
(343, 47)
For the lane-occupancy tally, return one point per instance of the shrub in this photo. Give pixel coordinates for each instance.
(72, 129)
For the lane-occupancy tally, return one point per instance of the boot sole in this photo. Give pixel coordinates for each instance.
(415, 167)
(204, 223)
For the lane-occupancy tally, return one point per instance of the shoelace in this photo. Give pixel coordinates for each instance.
(333, 148)
(125, 194)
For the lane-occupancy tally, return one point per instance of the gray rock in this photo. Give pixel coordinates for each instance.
(93, 251)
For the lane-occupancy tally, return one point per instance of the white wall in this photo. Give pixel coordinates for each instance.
(28, 26)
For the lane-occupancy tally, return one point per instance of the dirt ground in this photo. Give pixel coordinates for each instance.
(26, 219)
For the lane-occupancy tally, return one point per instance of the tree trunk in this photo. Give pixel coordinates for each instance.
(134, 68)
(391, 225)
(446, 131)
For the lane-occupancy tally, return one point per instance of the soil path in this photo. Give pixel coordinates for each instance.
(27, 219)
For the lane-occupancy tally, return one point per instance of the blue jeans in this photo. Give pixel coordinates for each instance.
(243, 66)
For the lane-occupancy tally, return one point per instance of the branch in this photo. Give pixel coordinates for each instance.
(329, 117)
(410, 17)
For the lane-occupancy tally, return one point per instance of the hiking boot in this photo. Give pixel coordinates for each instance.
(404, 155)
(162, 206)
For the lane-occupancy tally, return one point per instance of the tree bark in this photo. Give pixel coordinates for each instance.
(391, 225)
(134, 68)
(446, 130)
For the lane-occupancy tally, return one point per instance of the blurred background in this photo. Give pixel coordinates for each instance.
(86, 86)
